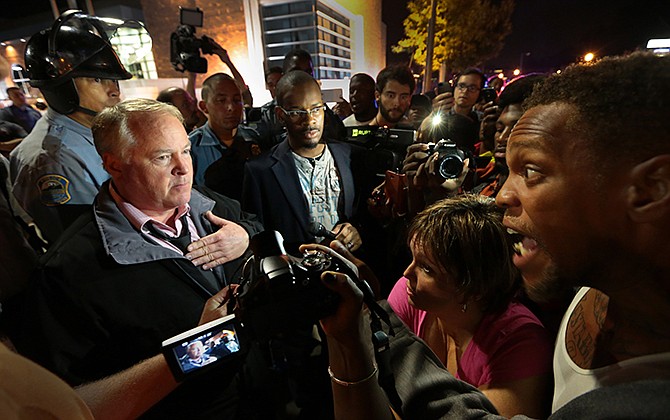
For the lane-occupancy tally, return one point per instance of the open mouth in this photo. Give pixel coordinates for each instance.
(523, 245)
(525, 249)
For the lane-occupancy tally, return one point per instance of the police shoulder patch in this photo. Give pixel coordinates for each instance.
(54, 189)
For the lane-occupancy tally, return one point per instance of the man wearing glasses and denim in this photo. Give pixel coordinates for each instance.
(302, 184)
(305, 182)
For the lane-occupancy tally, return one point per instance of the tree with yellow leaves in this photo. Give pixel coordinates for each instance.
(467, 32)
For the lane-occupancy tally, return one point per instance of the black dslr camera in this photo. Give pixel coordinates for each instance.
(450, 158)
(185, 47)
(280, 293)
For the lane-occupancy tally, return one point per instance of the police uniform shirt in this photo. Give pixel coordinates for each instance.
(207, 149)
(56, 164)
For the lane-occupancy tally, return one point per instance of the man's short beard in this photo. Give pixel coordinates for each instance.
(552, 288)
(386, 115)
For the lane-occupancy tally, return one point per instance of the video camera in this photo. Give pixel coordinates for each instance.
(185, 47)
(383, 148)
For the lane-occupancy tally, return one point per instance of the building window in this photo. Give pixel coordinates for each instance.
(20, 78)
(313, 27)
(133, 45)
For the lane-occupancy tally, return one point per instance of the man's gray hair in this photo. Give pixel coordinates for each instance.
(111, 127)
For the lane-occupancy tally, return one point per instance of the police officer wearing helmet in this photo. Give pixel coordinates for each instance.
(56, 171)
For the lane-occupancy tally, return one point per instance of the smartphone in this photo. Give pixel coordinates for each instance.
(331, 95)
(444, 87)
(489, 94)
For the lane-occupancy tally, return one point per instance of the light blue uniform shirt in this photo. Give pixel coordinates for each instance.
(207, 149)
(55, 165)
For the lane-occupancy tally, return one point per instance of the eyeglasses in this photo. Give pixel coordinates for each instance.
(299, 114)
(469, 88)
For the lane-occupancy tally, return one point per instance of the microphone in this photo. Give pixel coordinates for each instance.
(318, 229)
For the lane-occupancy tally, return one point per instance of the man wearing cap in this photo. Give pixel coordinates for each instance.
(56, 171)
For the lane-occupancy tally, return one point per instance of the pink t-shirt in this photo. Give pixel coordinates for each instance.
(506, 347)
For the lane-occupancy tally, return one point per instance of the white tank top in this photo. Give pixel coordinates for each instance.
(570, 380)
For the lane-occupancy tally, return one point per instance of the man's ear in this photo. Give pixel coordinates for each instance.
(203, 107)
(378, 95)
(112, 164)
(280, 115)
(648, 197)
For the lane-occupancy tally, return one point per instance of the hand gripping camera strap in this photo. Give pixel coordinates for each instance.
(380, 341)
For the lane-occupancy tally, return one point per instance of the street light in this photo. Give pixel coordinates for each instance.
(516, 72)
(588, 57)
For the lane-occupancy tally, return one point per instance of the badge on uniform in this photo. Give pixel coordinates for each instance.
(54, 189)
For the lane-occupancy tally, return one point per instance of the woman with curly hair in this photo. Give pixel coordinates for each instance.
(458, 296)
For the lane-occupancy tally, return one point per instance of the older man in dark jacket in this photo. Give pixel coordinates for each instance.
(118, 282)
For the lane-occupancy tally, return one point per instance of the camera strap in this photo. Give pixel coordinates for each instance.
(380, 342)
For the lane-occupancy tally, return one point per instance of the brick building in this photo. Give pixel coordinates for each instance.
(343, 36)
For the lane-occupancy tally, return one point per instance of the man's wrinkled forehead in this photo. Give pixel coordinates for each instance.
(541, 126)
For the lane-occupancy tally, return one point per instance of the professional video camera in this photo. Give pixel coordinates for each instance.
(450, 158)
(385, 147)
(185, 47)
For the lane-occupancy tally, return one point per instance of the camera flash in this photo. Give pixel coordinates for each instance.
(437, 120)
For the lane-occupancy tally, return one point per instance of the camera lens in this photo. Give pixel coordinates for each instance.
(451, 166)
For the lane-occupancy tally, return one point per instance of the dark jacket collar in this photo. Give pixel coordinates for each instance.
(125, 244)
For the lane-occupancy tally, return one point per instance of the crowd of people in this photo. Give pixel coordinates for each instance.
(510, 232)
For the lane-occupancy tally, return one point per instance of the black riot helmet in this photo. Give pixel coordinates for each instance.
(75, 46)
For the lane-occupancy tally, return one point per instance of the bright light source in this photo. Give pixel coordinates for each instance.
(501, 76)
(437, 120)
(588, 57)
(658, 43)
(517, 72)
(112, 21)
(22, 40)
(558, 72)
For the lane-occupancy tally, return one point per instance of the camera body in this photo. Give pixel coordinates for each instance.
(280, 293)
(384, 148)
(450, 158)
(185, 46)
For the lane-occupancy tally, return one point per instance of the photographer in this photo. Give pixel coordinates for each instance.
(457, 294)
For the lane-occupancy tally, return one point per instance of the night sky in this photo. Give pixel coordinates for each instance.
(557, 32)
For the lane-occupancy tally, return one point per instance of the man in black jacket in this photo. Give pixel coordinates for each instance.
(306, 179)
(118, 283)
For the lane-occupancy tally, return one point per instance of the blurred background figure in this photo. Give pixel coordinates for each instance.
(419, 108)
